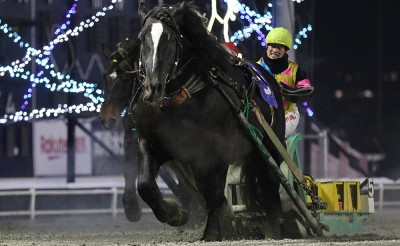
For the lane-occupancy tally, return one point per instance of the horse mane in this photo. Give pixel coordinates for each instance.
(204, 45)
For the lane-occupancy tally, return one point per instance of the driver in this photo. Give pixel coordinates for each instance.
(275, 61)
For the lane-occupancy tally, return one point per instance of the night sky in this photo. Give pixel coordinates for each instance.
(353, 51)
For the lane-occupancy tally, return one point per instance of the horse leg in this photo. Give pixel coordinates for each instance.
(271, 203)
(215, 200)
(130, 200)
(274, 207)
(166, 210)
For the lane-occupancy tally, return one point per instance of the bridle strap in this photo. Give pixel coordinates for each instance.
(165, 17)
(124, 53)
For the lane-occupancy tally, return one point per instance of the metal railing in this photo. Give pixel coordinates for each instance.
(381, 202)
(114, 186)
(34, 187)
(33, 193)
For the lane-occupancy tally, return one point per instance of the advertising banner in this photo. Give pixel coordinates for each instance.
(50, 149)
(104, 163)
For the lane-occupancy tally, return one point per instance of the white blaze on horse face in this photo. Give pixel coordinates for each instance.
(113, 75)
(156, 31)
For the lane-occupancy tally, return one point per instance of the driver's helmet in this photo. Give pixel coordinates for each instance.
(279, 35)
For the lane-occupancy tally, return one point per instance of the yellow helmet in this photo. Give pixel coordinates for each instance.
(279, 35)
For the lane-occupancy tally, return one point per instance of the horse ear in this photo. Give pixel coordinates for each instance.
(178, 13)
(106, 51)
(142, 11)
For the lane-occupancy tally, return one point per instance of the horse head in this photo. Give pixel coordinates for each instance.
(119, 77)
(174, 40)
(160, 53)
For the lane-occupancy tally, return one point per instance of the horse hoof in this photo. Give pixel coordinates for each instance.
(178, 215)
(132, 209)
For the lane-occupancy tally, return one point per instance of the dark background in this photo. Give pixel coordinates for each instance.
(355, 47)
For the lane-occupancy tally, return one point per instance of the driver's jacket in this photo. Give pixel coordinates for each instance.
(292, 76)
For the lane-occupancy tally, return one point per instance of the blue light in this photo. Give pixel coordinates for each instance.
(310, 113)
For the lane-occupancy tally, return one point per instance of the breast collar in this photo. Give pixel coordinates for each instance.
(180, 94)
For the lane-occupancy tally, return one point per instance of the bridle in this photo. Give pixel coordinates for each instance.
(176, 94)
(166, 18)
(121, 56)
(123, 53)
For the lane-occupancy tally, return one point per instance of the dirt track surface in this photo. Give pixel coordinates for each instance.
(382, 228)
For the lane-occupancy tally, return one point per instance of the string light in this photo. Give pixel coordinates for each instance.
(41, 57)
(50, 112)
(69, 14)
(309, 111)
(63, 26)
(301, 34)
(67, 85)
(256, 23)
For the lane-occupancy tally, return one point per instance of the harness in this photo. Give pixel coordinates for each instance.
(163, 15)
(121, 55)
(219, 78)
(194, 82)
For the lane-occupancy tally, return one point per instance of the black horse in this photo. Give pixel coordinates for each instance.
(121, 82)
(121, 90)
(186, 113)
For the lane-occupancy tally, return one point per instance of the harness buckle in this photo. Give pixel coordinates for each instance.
(179, 98)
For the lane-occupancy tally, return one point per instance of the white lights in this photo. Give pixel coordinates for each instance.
(50, 112)
(55, 81)
(256, 23)
(339, 94)
(63, 83)
(301, 34)
(367, 94)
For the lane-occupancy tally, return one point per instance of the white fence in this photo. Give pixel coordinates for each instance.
(383, 188)
(33, 193)
(114, 186)
(34, 187)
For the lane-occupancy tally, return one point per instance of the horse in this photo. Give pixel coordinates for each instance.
(186, 113)
(121, 82)
(121, 89)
